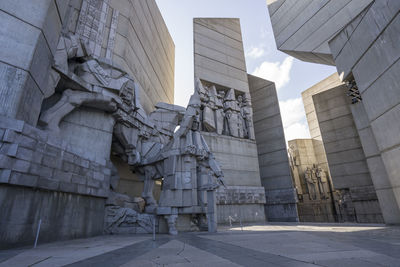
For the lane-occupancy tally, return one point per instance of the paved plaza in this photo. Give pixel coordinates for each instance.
(253, 245)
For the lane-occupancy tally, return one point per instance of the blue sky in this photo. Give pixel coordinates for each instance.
(262, 58)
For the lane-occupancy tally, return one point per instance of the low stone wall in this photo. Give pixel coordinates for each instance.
(240, 203)
(42, 177)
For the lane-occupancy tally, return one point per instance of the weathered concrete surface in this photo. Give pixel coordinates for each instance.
(28, 39)
(239, 162)
(309, 107)
(145, 49)
(42, 178)
(219, 61)
(371, 56)
(218, 52)
(64, 215)
(363, 47)
(272, 153)
(256, 245)
(303, 28)
(346, 158)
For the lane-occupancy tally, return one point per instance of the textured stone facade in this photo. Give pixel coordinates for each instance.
(219, 64)
(362, 45)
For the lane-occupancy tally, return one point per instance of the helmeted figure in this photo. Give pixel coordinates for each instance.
(308, 175)
(322, 180)
(189, 170)
(232, 114)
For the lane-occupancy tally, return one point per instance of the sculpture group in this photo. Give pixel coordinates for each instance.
(225, 112)
(165, 145)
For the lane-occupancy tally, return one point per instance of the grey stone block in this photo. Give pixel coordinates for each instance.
(34, 133)
(98, 176)
(24, 179)
(11, 124)
(5, 176)
(21, 166)
(41, 171)
(25, 141)
(9, 149)
(9, 136)
(6, 162)
(93, 183)
(78, 179)
(51, 162)
(48, 184)
(25, 154)
(68, 187)
(62, 176)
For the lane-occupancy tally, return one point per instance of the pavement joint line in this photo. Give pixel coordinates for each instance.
(239, 255)
(123, 255)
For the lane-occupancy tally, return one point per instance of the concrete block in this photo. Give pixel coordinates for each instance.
(78, 179)
(21, 166)
(62, 176)
(9, 149)
(68, 187)
(23, 179)
(93, 183)
(5, 176)
(48, 184)
(40, 170)
(10, 124)
(51, 162)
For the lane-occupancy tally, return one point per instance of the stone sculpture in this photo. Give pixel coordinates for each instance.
(224, 113)
(322, 181)
(148, 143)
(309, 177)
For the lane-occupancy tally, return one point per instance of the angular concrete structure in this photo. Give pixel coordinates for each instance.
(255, 165)
(219, 61)
(360, 39)
(346, 158)
(272, 154)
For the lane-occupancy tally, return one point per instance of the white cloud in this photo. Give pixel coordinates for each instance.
(275, 71)
(294, 119)
(255, 52)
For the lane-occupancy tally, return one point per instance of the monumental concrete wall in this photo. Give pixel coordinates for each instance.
(303, 28)
(218, 52)
(272, 152)
(219, 60)
(363, 48)
(367, 49)
(313, 125)
(346, 158)
(43, 177)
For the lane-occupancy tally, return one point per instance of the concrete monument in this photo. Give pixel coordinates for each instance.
(359, 38)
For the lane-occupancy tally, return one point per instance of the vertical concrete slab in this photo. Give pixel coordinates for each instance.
(272, 153)
(219, 60)
(346, 158)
